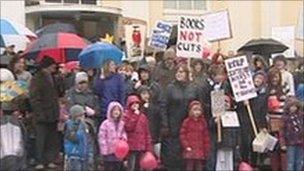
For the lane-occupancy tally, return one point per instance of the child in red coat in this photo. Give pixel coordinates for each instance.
(194, 138)
(137, 128)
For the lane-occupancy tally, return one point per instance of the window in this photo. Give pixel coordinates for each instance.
(185, 5)
(71, 1)
(88, 1)
(57, 1)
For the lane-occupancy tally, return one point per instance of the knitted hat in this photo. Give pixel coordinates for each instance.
(76, 111)
(193, 103)
(261, 73)
(6, 75)
(46, 62)
(81, 77)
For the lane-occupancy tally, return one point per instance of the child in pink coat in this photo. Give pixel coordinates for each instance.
(111, 130)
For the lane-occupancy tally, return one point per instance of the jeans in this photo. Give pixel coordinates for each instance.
(194, 165)
(76, 164)
(295, 156)
(133, 160)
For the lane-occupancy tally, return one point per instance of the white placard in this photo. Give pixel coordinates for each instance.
(240, 78)
(190, 37)
(230, 119)
(285, 35)
(300, 26)
(160, 35)
(217, 102)
(135, 40)
(217, 26)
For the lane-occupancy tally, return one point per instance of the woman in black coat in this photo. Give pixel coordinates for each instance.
(173, 111)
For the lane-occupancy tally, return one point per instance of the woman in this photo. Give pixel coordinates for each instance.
(277, 95)
(259, 63)
(109, 87)
(198, 71)
(173, 111)
(17, 66)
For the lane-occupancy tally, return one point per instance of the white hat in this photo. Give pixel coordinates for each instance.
(6, 75)
(81, 77)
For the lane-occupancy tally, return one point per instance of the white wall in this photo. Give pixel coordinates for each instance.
(13, 10)
(137, 9)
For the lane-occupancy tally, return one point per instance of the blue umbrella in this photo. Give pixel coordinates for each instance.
(95, 55)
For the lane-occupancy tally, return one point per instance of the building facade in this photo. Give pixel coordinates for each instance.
(94, 18)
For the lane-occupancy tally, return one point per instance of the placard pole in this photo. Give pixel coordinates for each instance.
(219, 130)
(251, 118)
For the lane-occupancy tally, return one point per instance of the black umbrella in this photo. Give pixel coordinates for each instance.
(56, 28)
(263, 46)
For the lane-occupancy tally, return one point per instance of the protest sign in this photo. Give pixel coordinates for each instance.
(230, 119)
(160, 35)
(240, 78)
(218, 26)
(135, 40)
(300, 26)
(217, 102)
(190, 37)
(285, 35)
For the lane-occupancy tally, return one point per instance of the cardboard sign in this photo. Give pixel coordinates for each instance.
(161, 35)
(190, 37)
(217, 102)
(264, 141)
(230, 119)
(217, 26)
(240, 78)
(285, 35)
(135, 40)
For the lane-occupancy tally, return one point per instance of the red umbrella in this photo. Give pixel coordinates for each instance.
(63, 47)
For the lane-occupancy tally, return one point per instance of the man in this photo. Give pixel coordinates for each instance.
(280, 63)
(44, 101)
(164, 71)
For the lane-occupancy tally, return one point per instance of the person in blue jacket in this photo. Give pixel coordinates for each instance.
(110, 86)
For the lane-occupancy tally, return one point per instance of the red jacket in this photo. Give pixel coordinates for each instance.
(194, 134)
(137, 128)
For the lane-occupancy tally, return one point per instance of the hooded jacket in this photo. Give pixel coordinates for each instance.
(137, 128)
(111, 131)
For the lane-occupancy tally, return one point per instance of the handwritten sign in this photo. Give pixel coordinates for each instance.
(230, 119)
(135, 40)
(161, 35)
(217, 26)
(190, 37)
(240, 78)
(217, 102)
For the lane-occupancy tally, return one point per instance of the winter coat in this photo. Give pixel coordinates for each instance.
(78, 148)
(110, 89)
(163, 75)
(44, 98)
(110, 131)
(293, 129)
(137, 128)
(153, 115)
(85, 98)
(194, 134)
(174, 105)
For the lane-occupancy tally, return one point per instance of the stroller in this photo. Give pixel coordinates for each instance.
(12, 148)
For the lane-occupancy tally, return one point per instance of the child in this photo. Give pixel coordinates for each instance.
(293, 134)
(137, 128)
(194, 138)
(75, 141)
(110, 131)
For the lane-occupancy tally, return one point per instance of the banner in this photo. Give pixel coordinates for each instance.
(160, 35)
(190, 37)
(135, 40)
(217, 26)
(285, 35)
(240, 78)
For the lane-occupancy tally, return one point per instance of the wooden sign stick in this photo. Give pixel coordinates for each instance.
(251, 118)
(219, 130)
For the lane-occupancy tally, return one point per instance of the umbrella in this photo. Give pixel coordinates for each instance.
(263, 46)
(71, 65)
(63, 47)
(13, 89)
(14, 34)
(95, 55)
(56, 28)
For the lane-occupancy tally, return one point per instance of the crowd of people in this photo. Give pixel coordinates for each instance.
(77, 116)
